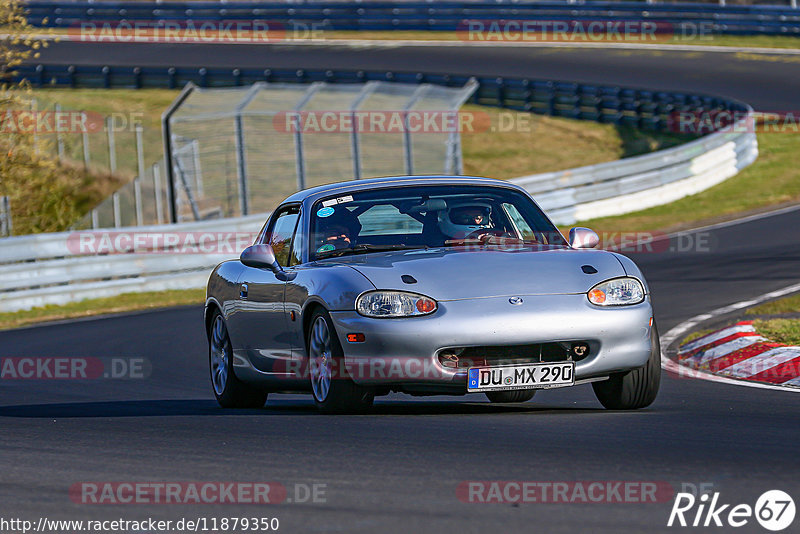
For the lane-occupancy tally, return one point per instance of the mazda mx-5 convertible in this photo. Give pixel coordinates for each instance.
(426, 286)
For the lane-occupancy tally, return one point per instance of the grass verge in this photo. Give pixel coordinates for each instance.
(789, 304)
(86, 308)
(778, 329)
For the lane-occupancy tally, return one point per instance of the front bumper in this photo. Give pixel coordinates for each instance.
(404, 352)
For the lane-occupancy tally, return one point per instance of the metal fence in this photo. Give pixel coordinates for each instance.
(102, 144)
(649, 110)
(424, 15)
(116, 144)
(144, 200)
(234, 151)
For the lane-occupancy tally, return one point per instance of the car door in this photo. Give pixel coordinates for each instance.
(262, 319)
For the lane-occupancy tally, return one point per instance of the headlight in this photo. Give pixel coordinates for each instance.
(394, 304)
(617, 292)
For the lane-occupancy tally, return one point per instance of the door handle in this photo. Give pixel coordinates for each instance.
(243, 291)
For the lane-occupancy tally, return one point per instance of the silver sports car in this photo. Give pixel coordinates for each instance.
(426, 285)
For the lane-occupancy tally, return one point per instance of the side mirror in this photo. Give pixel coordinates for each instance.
(580, 237)
(260, 257)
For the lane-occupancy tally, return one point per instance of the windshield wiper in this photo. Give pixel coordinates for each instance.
(364, 248)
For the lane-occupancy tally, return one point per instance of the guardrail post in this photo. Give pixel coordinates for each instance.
(85, 142)
(95, 220)
(241, 150)
(166, 136)
(198, 173)
(115, 206)
(241, 163)
(59, 137)
(139, 151)
(407, 148)
(298, 153)
(354, 147)
(112, 152)
(455, 163)
(354, 143)
(6, 227)
(34, 106)
(297, 124)
(172, 202)
(137, 196)
(157, 192)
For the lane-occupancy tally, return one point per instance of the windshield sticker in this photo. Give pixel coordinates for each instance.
(340, 200)
(326, 248)
(325, 212)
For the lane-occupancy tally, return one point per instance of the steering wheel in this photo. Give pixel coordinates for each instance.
(485, 233)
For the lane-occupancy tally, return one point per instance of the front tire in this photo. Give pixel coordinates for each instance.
(504, 397)
(634, 389)
(333, 389)
(229, 390)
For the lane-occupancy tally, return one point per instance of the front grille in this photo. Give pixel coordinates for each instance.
(463, 357)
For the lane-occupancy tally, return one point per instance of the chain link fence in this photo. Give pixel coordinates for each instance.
(241, 150)
(102, 145)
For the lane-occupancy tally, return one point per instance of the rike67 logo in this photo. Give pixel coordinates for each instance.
(774, 510)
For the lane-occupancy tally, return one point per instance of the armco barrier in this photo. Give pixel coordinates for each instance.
(50, 269)
(409, 15)
(641, 182)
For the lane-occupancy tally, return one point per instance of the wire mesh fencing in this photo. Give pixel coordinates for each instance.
(241, 150)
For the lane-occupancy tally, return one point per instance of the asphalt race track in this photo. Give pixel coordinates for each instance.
(397, 469)
(768, 82)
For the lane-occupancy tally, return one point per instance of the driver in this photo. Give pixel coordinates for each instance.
(338, 236)
(463, 220)
(337, 231)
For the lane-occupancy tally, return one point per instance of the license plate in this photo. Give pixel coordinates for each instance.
(528, 376)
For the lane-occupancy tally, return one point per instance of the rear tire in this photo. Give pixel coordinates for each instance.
(634, 389)
(229, 390)
(333, 389)
(504, 397)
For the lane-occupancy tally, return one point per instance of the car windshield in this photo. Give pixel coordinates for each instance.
(427, 217)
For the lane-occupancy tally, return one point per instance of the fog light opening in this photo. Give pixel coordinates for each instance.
(448, 359)
(579, 350)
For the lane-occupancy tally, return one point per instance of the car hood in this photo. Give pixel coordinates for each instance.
(452, 274)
